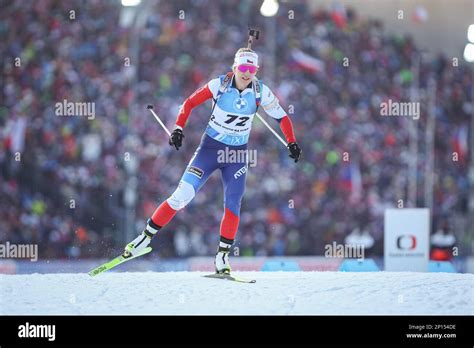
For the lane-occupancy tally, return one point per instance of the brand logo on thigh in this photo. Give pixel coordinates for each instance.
(240, 172)
(196, 171)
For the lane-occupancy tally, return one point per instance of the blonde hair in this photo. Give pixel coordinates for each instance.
(245, 49)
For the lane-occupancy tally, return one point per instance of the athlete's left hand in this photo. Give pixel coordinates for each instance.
(295, 151)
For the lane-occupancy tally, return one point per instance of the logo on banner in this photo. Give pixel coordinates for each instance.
(406, 242)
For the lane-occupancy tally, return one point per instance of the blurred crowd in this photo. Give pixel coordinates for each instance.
(80, 186)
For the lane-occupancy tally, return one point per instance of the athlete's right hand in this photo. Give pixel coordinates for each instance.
(176, 138)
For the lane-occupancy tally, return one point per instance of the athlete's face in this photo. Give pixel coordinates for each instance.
(244, 75)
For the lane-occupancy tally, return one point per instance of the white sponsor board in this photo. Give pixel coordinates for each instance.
(406, 239)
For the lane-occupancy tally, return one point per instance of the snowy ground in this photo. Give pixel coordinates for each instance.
(274, 293)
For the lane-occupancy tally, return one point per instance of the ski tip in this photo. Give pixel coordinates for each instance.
(117, 261)
(96, 271)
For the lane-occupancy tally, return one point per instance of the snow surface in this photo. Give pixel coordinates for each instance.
(280, 293)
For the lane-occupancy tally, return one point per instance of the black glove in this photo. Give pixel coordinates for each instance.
(295, 151)
(176, 138)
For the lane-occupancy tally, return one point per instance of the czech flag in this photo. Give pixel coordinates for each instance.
(459, 142)
(350, 179)
(306, 62)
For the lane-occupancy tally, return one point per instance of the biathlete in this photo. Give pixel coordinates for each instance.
(236, 98)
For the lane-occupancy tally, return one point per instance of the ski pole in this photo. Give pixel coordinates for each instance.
(272, 130)
(150, 107)
(254, 34)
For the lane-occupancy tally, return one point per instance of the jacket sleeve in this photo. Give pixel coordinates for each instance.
(271, 105)
(198, 97)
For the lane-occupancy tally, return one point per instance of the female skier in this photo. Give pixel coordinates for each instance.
(236, 98)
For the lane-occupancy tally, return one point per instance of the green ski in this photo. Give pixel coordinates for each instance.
(115, 262)
(227, 276)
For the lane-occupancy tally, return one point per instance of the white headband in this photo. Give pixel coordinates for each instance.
(246, 58)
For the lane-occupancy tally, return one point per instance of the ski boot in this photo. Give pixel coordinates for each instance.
(142, 241)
